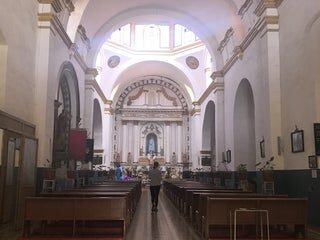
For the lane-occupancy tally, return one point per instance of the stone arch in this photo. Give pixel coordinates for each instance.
(152, 80)
(208, 131)
(68, 82)
(244, 126)
(97, 125)
(66, 112)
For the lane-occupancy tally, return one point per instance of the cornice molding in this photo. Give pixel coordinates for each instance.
(264, 4)
(244, 8)
(46, 1)
(259, 27)
(226, 39)
(212, 87)
(45, 17)
(97, 88)
(92, 71)
(58, 28)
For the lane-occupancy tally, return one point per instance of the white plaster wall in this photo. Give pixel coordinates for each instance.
(300, 75)
(58, 54)
(18, 24)
(253, 67)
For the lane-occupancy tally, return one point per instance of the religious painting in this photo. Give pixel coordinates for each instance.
(151, 144)
(316, 130)
(206, 161)
(313, 161)
(228, 156)
(297, 141)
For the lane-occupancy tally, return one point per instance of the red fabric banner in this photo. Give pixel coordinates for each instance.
(77, 144)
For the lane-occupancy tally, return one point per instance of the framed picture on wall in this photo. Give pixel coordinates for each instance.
(297, 141)
(313, 161)
(228, 156)
(262, 149)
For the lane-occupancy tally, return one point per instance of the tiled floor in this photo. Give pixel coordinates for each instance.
(166, 224)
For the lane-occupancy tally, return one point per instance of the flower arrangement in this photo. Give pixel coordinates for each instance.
(269, 165)
(242, 167)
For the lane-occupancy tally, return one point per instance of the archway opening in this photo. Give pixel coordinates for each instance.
(208, 135)
(97, 125)
(244, 126)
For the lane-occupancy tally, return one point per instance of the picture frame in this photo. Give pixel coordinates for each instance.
(297, 141)
(313, 161)
(262, 149)
(228, 156)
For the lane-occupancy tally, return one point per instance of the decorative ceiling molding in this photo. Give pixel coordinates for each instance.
(135, 97)
(95, 85)
(59, 5)
(56, 27)
(264, 4)
(226, 39)
(83, 35)
(153, 80)
(170, 98)
(244, 8)
(261, 26)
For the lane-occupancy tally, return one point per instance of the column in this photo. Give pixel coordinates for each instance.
(124, 142)
(179, 142)
(270, 37)
(196, 136)
(136, 142)
(88, 105)
(167, 150)
(173, 142)
(107, 135)
(44, 106)
(219, 124)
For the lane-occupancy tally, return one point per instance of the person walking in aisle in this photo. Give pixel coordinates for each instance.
(155, 176)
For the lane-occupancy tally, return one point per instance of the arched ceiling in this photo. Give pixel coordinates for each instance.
(208, 19)
(158, 68)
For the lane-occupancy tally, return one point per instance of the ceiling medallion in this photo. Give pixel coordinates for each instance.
(192, 62)
(113, 61)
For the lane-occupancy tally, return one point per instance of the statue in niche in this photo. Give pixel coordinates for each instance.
(116, 157)
(151, 146)
(184, 158)
(174, 158)
(129, 158)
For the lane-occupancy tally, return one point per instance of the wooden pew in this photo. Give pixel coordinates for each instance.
(91, 194)
(74, 210)
(282, 211)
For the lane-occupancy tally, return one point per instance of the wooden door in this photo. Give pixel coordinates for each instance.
(9, 176)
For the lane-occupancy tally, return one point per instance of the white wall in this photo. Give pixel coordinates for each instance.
(300, 75)
(18, 24)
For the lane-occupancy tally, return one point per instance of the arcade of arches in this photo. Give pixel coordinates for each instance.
(208, 87)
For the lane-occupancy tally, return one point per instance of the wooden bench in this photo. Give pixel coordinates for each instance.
(282, 211)
(74, 210)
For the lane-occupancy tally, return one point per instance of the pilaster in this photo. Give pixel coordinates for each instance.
(269, 25)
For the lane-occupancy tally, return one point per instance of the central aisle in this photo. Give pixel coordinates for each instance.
(166, 224)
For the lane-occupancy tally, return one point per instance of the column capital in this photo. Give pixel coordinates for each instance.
(264, 4)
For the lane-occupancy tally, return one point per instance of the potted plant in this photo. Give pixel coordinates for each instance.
(242, 171)
(267, 170)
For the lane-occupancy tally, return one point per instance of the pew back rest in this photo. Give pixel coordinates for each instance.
(50, 208)
(281, 210)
